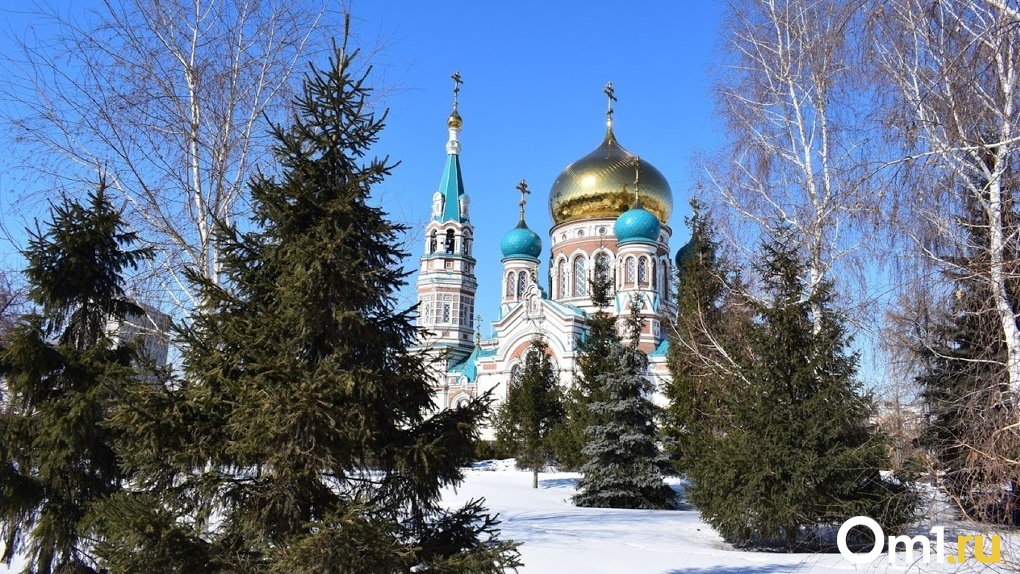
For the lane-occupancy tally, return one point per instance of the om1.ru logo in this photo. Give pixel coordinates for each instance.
(994, 556)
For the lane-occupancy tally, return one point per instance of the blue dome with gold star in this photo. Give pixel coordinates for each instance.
(637, 224)
(521, 243)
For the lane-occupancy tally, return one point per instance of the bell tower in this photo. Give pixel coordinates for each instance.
(446, 279)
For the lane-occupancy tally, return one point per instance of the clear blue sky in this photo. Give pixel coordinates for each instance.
(531, 100)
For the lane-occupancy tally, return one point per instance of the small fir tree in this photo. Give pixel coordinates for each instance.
(533, 408)
(786, 445)
(64, 375)
(623, 465)
(592, 358)
(304, 436)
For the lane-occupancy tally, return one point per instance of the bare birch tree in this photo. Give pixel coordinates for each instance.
(170, 100)
(796, 153)
(954, 66)
(11, 297)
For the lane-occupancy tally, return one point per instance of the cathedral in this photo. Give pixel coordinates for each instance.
(610, 212)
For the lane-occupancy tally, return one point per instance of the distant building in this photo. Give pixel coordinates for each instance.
(610, 214)
(904, 422)
(151, 330)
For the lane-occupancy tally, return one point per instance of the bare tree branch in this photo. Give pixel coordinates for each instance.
(172, 99)
(798, 154)
(955, 69)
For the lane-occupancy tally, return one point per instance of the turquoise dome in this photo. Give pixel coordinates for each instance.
(521, 242)
(637, 224)
(688, 251)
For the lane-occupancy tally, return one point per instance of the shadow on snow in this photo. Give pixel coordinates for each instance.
(764, 569)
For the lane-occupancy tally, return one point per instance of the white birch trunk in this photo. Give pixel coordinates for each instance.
(956, 73)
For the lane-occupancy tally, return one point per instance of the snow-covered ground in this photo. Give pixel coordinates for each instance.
(559, 538)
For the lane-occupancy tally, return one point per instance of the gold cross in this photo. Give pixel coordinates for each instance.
(456, 86)
(523, 188)
(608, 91)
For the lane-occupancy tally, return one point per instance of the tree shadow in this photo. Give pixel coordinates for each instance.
(556, 482)
(681, 497)
(763, 569)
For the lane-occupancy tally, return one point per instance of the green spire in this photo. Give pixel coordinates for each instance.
(452, 189)
(452, 185)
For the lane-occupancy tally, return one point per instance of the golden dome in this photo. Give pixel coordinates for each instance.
(454, 120)
(594, 186)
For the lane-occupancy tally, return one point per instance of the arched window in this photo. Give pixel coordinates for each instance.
(467, 245)
(580, 277)
(642, 271)
(602, 269)
(433, 242)
(522, 283)
(510, 285)
(656, 269)
(515, 375)
(630, 271)
(561, 279)
(450, 241)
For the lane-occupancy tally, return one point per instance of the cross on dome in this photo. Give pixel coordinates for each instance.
(454, 122)
(521, 242)
(456, 87)
(610, 94)
(523, 188)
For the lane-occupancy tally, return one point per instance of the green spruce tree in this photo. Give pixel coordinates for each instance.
(623, 466)
(786, 444)
(965, 385)
(966, 388)
(532, 409)
(592, 358)
(64, 375)
(706, 317)
(306, 439)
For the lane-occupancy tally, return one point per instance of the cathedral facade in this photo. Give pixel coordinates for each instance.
(610, 213)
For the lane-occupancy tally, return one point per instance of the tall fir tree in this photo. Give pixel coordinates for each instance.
(623, 466)
(305, 437)
(532, 410)
(64, 374)
(785, 444)
(966, 389)
(702, 332)
(965, 384)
